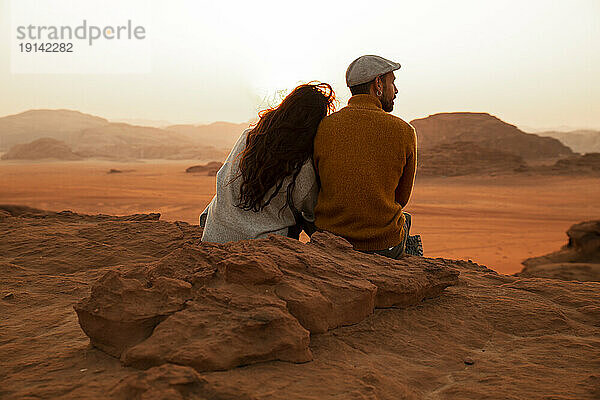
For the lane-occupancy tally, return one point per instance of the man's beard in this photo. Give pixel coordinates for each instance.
(387, 106)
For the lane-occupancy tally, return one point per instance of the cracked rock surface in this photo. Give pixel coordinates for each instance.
(170, 317)
(220, 306)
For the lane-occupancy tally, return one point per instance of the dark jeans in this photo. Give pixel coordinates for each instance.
(398, 250)
(409, 245)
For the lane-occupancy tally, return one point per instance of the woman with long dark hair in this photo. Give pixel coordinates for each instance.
(268, 183)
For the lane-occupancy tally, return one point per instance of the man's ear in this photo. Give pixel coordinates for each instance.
(379, 84)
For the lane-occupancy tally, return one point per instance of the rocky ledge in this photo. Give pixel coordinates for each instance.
(578, 259)
(170, 317)
(220, 306)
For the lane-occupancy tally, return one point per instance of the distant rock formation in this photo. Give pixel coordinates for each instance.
(579, 259)
(94, 137)
(44, 148)
(465, 158)
(122, 142)
(581, 141)
(209, 169)
(584, 272)
(587, 164)
(487, 132)
(63, 125)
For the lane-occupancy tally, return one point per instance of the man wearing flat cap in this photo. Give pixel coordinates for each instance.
(366, 162)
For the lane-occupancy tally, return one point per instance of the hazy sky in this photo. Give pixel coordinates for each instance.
(535, 64)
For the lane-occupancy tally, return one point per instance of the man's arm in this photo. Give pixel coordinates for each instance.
(405, 185)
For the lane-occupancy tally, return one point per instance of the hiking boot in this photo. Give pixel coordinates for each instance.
(414, 246)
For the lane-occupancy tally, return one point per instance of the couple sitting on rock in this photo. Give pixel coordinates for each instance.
(305, 167)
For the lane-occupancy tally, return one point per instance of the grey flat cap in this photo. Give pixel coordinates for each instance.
(366, 68)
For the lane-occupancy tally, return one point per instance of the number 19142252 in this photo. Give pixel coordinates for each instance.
(46, 47)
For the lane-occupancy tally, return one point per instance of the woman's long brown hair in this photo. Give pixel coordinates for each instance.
(281, 142)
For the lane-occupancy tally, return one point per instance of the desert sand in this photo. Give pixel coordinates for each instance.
(496, 220)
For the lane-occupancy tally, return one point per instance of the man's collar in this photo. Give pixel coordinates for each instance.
(364, 101)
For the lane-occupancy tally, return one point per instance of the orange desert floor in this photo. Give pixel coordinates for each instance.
(493, 220)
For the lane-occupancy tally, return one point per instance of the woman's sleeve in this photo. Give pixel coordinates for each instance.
(306, 191)
(204, 215)
(308, 205)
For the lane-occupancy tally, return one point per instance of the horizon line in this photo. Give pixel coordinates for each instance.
(166, 123)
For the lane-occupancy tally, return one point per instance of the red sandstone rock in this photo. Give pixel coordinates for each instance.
(487, 132)
(165, 382)
(294, 288)
(42, 148)
(579, 259)
(82, 242)
(173, 382)
(515, 330)
(589, 162)
(209, 169)
(121, 312)
(223, 329)
(466, 158)
(566, 271)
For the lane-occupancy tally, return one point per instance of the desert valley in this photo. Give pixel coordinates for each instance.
(108, 292)
(485, 190)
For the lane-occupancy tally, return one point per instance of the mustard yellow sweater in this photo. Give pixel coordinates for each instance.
(366, 161)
